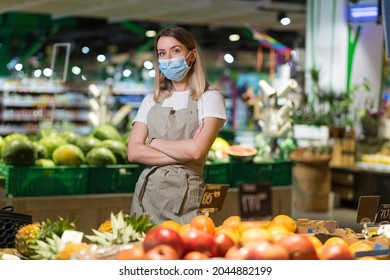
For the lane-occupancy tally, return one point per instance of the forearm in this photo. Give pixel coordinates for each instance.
(181, 150)
(195, 148)
(144, 154)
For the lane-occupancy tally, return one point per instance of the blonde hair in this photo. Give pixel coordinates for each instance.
(197, 78)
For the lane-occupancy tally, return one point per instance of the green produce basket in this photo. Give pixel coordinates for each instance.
(282, 173)
(114, 178)
(44, 181)
(217, 173)
(249, 172)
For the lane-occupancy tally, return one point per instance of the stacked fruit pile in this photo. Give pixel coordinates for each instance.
(136, 238)
(104, 146)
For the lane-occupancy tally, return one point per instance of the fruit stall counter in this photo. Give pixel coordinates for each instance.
(89, 194)
(91, 210)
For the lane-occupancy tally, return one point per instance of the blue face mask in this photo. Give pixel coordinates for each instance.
(174, 69)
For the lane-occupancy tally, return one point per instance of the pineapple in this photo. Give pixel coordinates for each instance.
(71, 249)
(46, 249)
(105, 227)
(124, 229)
(25, 237)
(32, 237)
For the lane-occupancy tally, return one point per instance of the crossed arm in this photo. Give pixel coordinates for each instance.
(162, 152)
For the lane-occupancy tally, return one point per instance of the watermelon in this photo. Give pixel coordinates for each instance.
(241, 153)
(68, 154)
(105, 132)
(118, 148)
(69, 136)
(44, 162)
(87, 143)
(15, 136)
(100, 156)
(42, 151)
(18, 152)
(51, 143)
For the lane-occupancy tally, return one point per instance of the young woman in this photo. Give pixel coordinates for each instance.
(173, 131)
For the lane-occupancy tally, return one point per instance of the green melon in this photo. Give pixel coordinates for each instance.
(105, 132)
(87, 143)
(42, 151)
(118, 148)
(69, 136)
(100, 156)
(18, 152)
(68, 154)
(1, 143)
(44, 162)
(15, 136)
(51, 143)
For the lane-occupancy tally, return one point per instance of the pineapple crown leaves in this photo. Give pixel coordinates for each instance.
(56, 227)
(141, 223)
(125, 229)
(46, 249)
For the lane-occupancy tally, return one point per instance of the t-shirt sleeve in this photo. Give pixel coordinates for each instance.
(213, 105)
(143, 109)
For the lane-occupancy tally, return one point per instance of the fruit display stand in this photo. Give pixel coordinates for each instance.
(89, 194)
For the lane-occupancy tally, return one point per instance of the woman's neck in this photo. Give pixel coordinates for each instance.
(180, 86)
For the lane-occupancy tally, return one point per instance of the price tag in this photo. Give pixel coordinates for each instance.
(367, 209)
(383, 214)
(255, 201)
(213, 198)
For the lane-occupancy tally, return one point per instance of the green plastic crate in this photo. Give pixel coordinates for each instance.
(217, 173)
(114, 178)
(250, 172)
(282, 173)
(44, 181)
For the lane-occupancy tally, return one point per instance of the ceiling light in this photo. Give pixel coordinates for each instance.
(283, 18)
(234, 37)
(150, 33)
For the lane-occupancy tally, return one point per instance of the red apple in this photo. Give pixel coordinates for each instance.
(162, 252)
(335, 252)
(299, 247)
(265, 250)
(224, 242)
(161, 235)
(237, 252)
(194, 255)
(134, 253)
(200, 241)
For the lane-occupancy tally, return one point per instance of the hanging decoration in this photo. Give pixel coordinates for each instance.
(275, 48)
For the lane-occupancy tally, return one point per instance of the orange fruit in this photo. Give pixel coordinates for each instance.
(172, 225)
(184, 228)
(244, 225)
(315, 241)
(336, 240)
(255, 235)
(275, 229)
(232, 222)
(359, 246)
(230, 232)
(204, 223)
(285, 220)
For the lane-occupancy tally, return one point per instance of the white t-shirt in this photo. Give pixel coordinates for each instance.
(211, 104)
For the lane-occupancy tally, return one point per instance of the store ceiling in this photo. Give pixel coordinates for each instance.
(121, 23)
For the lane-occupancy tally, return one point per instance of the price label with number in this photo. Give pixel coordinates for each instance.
(213, 198)
(255, 201)
(383, 214)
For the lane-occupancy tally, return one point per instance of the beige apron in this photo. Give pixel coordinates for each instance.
(171, 192)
